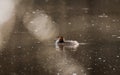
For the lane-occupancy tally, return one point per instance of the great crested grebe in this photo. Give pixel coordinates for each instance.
(60, 41)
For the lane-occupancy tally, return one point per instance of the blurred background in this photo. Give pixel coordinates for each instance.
(27, 37)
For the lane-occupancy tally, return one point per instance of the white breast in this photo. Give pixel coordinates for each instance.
(67, 43)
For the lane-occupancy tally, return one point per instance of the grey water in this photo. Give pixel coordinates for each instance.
(93, 22)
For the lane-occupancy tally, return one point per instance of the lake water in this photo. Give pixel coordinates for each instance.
(94, 24)
(35, 58)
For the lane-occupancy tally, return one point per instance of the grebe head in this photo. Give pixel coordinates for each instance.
(60, 39)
